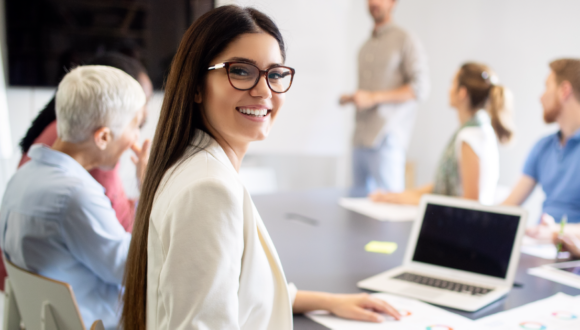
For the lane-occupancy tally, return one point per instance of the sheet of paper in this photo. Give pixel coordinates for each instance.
(381, 247)
(416, 316)
(380, 211)
(559, 312)
(556, 276)
(544, 251)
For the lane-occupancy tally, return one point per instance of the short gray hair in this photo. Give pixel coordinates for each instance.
(94, 96)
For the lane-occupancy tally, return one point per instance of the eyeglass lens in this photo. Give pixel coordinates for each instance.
(245, 76)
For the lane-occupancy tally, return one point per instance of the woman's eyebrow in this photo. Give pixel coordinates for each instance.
(250, 61)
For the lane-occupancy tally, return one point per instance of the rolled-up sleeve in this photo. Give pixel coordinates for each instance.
(415, 67)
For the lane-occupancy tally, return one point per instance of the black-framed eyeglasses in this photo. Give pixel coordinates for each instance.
(245, 76)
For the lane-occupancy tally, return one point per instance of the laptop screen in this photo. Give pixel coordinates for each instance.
(469, 240)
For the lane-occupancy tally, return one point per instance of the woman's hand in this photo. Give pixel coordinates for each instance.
(406, 197)
(570, 243)
(140, 159)
(545, 230)
(361, 307)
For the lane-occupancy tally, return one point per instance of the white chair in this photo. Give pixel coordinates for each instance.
(40, 303)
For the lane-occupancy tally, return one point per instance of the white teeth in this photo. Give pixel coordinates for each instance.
(254, 112)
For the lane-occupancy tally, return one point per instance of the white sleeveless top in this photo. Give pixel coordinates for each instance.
(484, 143)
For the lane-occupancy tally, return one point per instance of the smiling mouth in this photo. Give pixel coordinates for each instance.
(254, 112)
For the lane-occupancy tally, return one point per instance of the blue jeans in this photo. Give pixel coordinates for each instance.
(378, 168)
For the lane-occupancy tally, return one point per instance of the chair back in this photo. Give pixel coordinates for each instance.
(42, 303)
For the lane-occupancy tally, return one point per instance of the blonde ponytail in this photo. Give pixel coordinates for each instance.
(500, 108)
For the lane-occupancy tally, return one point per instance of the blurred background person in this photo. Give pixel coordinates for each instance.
(554, 162)
(43, 131)
(469, 166)
(55, 219)
(393, 76)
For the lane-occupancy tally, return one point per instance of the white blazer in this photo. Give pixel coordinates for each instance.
(210, 261)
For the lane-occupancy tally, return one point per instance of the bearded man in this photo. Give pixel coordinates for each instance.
(554, 162)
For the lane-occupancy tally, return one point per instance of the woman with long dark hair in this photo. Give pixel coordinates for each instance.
(201, 257)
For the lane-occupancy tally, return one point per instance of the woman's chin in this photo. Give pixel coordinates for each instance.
(258, 136)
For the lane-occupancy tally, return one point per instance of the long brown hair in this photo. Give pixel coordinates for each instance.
(179, 122)
(485, 92)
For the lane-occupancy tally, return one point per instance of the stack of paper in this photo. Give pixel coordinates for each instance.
(380, 211)
(559, 312)
(556, 275)
(416, 316)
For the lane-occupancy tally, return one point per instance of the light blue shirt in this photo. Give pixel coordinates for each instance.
(557, 169)
(56, 221)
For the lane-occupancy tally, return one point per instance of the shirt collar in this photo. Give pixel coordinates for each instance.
(382, 29)
(43, 154)
(574, 137)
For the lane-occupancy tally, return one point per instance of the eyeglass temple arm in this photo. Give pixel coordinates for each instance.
(217, 66)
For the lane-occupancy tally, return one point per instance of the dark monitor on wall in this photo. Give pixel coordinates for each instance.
(45, 38)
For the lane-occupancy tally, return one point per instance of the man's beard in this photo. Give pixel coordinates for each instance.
(552, 113)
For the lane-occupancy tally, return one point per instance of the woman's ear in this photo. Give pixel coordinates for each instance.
(197, 97)
(462, 93)
(565, 90)
(102, 137)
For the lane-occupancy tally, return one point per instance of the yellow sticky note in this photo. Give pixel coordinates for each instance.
(381, 247)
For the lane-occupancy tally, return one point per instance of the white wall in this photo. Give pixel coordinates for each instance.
(516, 37)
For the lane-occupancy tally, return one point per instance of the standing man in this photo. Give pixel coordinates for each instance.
(393, 76)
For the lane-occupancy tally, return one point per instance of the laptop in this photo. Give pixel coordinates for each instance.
(460, 254)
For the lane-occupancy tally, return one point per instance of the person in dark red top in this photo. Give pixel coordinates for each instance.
(43, 130)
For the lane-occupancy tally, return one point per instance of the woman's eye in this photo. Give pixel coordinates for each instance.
(239, 71)
(277, 75)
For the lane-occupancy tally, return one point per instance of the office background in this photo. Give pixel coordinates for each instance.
(310, 143)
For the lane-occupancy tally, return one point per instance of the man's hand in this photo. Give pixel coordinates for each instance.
(364, 100)
(570, 243)
(545, 230)
(140, 159)
(345, 99)
(361, 99)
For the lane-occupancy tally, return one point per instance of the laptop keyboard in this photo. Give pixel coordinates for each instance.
(442, 284)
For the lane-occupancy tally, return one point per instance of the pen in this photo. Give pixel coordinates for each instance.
(562, 225)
